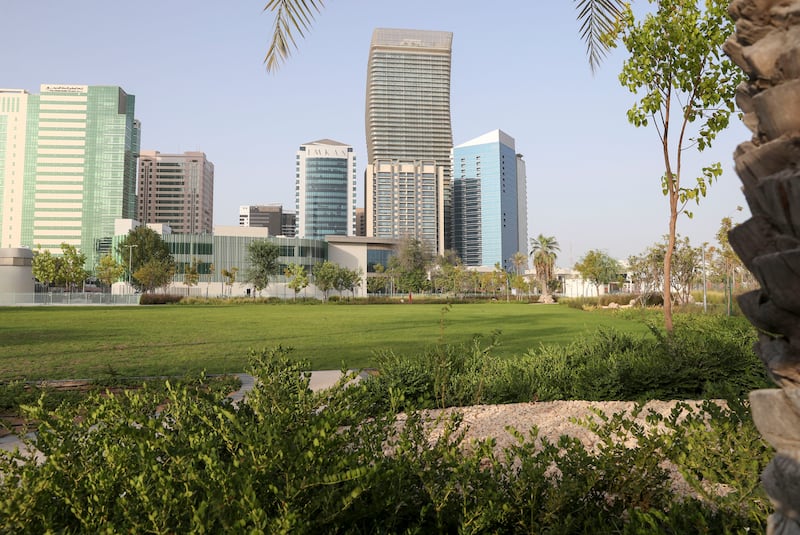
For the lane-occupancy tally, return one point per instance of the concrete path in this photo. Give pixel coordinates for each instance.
(320, 380)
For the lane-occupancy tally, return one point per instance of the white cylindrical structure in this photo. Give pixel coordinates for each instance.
(16, 270)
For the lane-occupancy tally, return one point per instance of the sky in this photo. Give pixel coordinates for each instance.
(196, 69)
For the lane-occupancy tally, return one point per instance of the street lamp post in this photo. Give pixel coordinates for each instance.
(130, 262)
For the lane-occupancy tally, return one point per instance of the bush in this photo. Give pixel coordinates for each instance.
(705, 357)
(159, 299)
(290, 460)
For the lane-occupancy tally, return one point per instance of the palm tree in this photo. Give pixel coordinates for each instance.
(519, 260)
(543, 251)
(596, 19)
(765, 46)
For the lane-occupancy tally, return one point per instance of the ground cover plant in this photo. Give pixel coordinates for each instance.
(85, 342)
(288, 460)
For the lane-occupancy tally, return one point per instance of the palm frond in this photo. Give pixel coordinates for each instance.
(597, 19)
(291, 17)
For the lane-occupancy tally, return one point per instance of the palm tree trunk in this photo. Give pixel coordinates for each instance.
(767, 46)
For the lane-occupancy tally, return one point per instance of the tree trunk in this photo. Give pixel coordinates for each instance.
(767, 46)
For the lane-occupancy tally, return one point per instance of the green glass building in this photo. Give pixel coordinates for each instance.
(78, 168)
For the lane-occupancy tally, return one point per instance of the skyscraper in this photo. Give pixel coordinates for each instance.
(488, 211)
(177, 190)
(325, 192)
(409, 136)
(68, 161)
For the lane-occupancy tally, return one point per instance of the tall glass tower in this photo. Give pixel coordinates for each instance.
(409, 135)
(325, 194)
(79, 168)
(488, 196)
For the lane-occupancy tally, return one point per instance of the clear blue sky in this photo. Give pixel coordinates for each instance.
(196, 70)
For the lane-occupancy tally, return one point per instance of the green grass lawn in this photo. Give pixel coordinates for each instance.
(91, 342)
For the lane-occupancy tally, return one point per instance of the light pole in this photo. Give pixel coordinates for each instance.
(705, 300)
(130, 262)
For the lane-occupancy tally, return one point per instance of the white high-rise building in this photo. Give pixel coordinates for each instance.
(325, 192)
(409, 135)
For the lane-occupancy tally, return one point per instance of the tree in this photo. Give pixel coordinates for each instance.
(263, 258)
(348, 279)
(544, 251)
(45, 266)
(596, 18)
(728, 262)
(108, 270)
(143, 246)
(686, 90)
(598, 268)
(377, 282)
(71, 270)
(520, 262)
(191, 274)
(410, 266)
(230, 277)
(685, 269)
(647, 272)
(298, 276)
(155, 273)
(326, 275)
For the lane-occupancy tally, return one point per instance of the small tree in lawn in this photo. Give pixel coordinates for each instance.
(230, 277)
(45, 266)
(298, 276)
(191, 275)
(263, 257)
(349, 279)
(686, 89)
(326, 276)
(71, 270)
(598, 268)
(108, 270)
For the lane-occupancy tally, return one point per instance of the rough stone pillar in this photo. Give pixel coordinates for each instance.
(767, 47)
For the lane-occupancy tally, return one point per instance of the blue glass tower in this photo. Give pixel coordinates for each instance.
(486, 193)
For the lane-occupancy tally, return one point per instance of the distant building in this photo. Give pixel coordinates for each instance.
(325, 192)
(361, 222)
(176, 190)
(487, 209)
(67, 167)
(270, 216)
(522, 205)
(409, 135)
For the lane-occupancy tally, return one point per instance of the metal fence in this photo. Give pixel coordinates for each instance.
(67, 298)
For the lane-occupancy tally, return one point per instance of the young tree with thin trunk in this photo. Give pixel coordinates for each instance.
(108, 270)
(685, 88)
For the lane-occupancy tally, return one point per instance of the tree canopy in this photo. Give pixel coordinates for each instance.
(263, 257)
(144, 247)
(599, 268)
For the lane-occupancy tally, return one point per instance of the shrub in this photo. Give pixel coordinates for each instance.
(706, 356)
(291, 460)
(159, 299)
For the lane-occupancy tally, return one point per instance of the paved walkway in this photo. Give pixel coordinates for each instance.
(320, 380)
